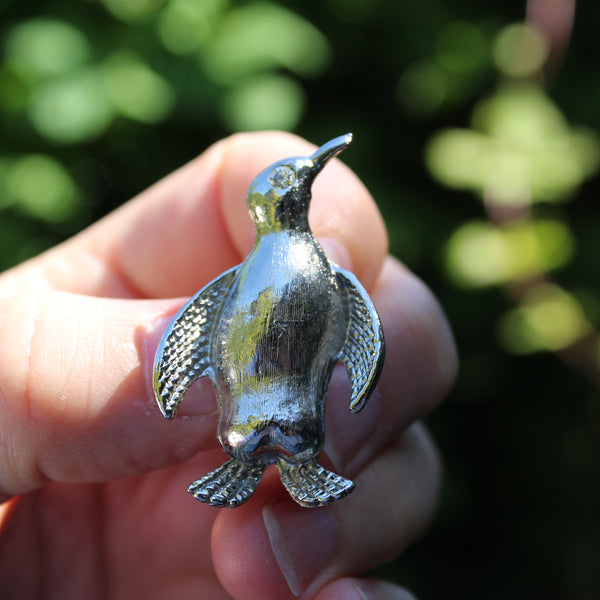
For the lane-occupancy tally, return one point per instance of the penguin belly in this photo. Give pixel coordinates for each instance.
(255, 431)
(280, 335)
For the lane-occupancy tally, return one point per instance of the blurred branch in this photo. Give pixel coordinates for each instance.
(553, 19)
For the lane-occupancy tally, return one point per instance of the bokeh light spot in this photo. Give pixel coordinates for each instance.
(135, 90)
(264, 102)
(455, 157)
(548, 319)
(521, 115)
(476, 255)
(71, 109)
(185, 24)
(520, 150)
(46, 47)
(133, 11)
(461, 47)
(42, 187)
(520, 51)
(422, 87)
(263, 36)
(479, 254)
(585, 146)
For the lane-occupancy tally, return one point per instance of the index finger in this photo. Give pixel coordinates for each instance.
(188, 228)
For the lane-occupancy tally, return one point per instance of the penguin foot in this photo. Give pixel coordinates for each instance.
(311, 485)
(228, 486)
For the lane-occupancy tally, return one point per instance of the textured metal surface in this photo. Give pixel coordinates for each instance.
(268, 333)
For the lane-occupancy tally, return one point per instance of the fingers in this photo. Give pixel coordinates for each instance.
(363, 589)
(188, 228)
(393, 502)
(420, 367)
(75, 392)
(76, 400)
(396, 478)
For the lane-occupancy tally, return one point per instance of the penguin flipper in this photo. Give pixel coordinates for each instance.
(363, 351)
(310, 484)
(183, 353)
(228, 486)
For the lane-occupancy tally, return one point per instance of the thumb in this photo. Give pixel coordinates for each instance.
(76, 399)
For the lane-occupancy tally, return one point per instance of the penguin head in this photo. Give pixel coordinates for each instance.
(279, 196)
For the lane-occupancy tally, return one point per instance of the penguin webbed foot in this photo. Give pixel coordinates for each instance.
(228, 486)
(312, 485)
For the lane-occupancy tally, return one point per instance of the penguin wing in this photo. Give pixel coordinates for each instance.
(183, 352)
(363, 351)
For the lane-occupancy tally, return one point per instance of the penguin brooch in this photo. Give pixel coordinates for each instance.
(269, 333)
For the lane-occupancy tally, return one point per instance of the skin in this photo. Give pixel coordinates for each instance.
(93, 478)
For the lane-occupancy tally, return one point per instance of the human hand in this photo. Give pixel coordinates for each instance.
(92, 477)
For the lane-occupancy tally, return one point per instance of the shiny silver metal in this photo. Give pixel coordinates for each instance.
(268, 333)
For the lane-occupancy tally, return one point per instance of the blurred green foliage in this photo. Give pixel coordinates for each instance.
(88, 94)
(479, 253)
(519, 150)
(449, 101)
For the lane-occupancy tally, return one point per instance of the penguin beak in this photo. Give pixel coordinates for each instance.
(326, 152)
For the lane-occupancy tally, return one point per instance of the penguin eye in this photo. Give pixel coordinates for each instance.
(282, 177)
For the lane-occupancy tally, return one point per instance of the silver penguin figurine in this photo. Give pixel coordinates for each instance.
(268, 333)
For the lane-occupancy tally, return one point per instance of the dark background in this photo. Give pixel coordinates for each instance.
(520, 432)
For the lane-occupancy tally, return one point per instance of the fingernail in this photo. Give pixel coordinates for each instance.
(364, 594)
(302, 540)
(199, 399)
(350, 436)
(375, 590)
(337, 253)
